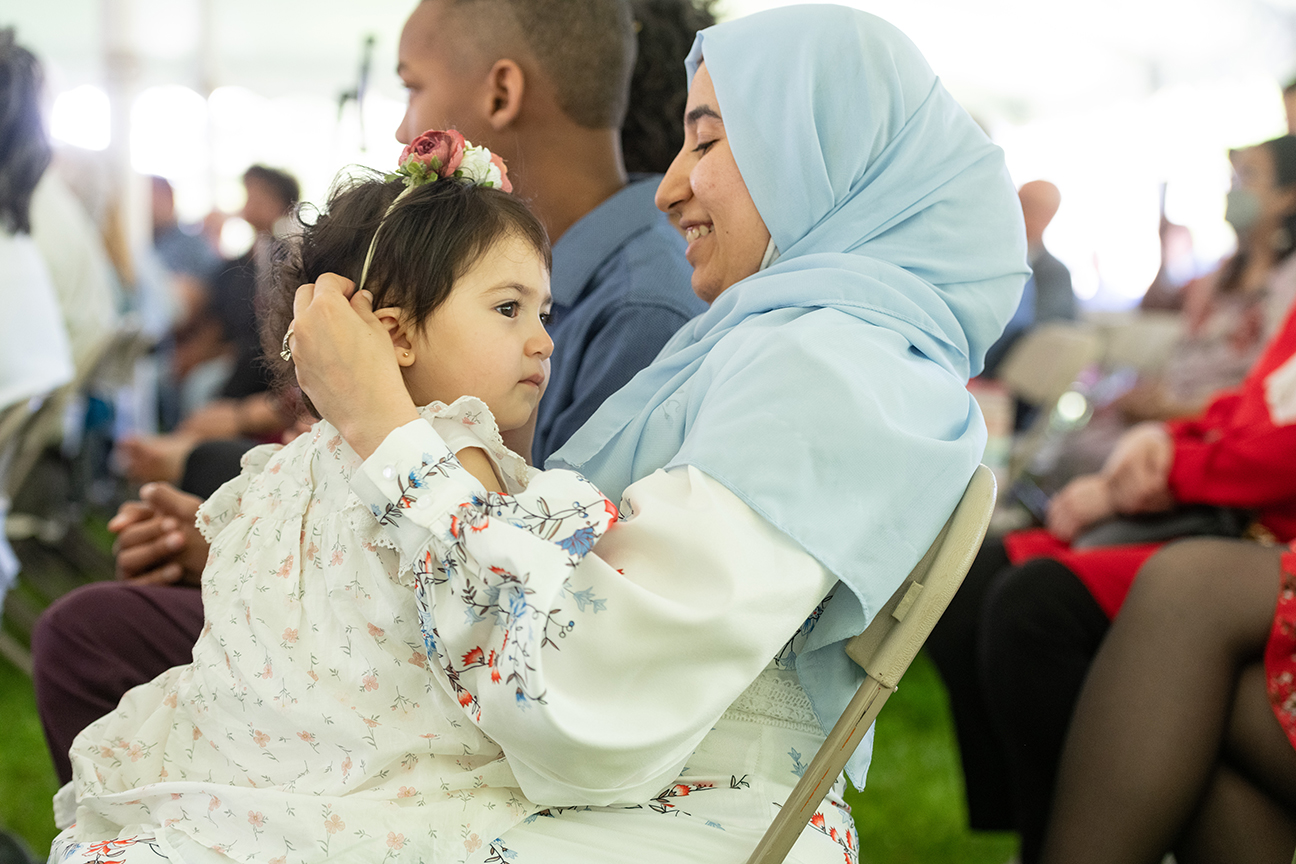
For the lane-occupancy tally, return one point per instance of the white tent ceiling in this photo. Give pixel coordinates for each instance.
(1015, 58)
(1109, 98)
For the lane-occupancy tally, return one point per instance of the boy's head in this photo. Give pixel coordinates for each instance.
(441, 237)
(481, 65)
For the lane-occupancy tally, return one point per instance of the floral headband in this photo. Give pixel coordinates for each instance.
(434, 155)
(440, 155)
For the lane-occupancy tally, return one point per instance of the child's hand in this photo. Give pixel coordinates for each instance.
(157, 542)
(346, 363)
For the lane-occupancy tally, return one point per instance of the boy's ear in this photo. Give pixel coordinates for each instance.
(393, 319)
(505, 87)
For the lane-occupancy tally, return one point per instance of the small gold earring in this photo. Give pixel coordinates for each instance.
(406, 353)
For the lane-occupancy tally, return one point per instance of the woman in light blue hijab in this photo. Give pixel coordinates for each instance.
(781, 466)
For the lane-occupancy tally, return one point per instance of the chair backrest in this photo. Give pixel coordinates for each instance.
(885, 649)
(1045, 361)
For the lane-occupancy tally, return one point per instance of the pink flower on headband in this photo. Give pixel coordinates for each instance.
(504, 181)
(435, 153)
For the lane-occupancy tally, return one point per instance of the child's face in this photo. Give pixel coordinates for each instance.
(488, 338)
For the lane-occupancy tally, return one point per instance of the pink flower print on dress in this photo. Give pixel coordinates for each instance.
(346, 767)
(406, 792)
(285, 567)
(418, 658)
(375, 632)
(260, 738)
(289, 635)
(307, 737)
(213, 804)
(334, 824)
(255, 819)
(473, 843)
(134, 752)
(395, 841)
(370, 681)
(311, 551)
(337, 558)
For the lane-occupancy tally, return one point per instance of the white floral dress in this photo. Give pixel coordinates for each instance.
(310, 725)
(631, 690)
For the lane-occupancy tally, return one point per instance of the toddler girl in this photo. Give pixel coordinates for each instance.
(312, 724)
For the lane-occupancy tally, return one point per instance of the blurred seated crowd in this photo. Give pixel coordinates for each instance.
(1126, 639)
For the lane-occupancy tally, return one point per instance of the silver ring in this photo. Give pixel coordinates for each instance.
(286, 353)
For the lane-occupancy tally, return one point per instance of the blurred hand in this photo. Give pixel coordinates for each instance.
(149, 458)
(1084, 501)
(157, 541)
(346, 363)
(1138, 470)
(217, 419)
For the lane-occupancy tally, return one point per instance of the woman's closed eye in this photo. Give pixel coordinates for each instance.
(704, 146)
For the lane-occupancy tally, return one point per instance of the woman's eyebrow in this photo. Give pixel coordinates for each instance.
(692, 117)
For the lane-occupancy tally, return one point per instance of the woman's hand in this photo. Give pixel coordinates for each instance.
(1084, 501)
(346, 363)
(157, 543)
(1138, 470)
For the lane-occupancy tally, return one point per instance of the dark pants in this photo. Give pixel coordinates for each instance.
(1013, 649)
(97, 642)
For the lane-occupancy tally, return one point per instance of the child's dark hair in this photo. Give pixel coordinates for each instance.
(430, 239)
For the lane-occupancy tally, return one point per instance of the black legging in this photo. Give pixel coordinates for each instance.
(1013, 649)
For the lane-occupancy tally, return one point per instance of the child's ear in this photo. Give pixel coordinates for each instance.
(398, 328)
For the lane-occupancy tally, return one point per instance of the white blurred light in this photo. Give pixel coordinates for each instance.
(169, 132)
(236, 237)
(1071, 406)
(82, 117)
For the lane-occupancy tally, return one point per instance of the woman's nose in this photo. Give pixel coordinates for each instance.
(674, 188)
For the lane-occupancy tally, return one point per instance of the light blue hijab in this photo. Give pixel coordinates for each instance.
(828, 391)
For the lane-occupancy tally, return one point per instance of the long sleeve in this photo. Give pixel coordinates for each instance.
(1233, 456)
(596, 652)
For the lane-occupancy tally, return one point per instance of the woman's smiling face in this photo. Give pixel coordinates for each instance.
(706, 197)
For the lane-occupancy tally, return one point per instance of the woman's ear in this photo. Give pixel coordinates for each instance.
(505, 87)
(399, 329)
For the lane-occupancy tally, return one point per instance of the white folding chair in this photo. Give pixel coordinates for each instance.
(885, 649)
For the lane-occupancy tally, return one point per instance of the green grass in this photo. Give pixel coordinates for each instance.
(912, 808)
(27, 781)
(911, 811)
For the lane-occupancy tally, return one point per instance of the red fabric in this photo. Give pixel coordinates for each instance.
(1233, 456)
(1280, 652)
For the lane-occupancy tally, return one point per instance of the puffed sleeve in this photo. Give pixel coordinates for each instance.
(596, 652)
(227, 501)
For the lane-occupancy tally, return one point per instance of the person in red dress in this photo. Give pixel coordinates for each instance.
(1018, 639)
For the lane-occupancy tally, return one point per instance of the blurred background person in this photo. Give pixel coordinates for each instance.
(35, 353)
(653, 131)
(1048, 295)
(222, 377)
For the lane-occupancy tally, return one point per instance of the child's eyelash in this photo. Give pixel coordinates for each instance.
(510, 307)
(546, 318)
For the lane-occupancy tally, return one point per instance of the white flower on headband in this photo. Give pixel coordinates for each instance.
(438, 154)
(484, 168)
